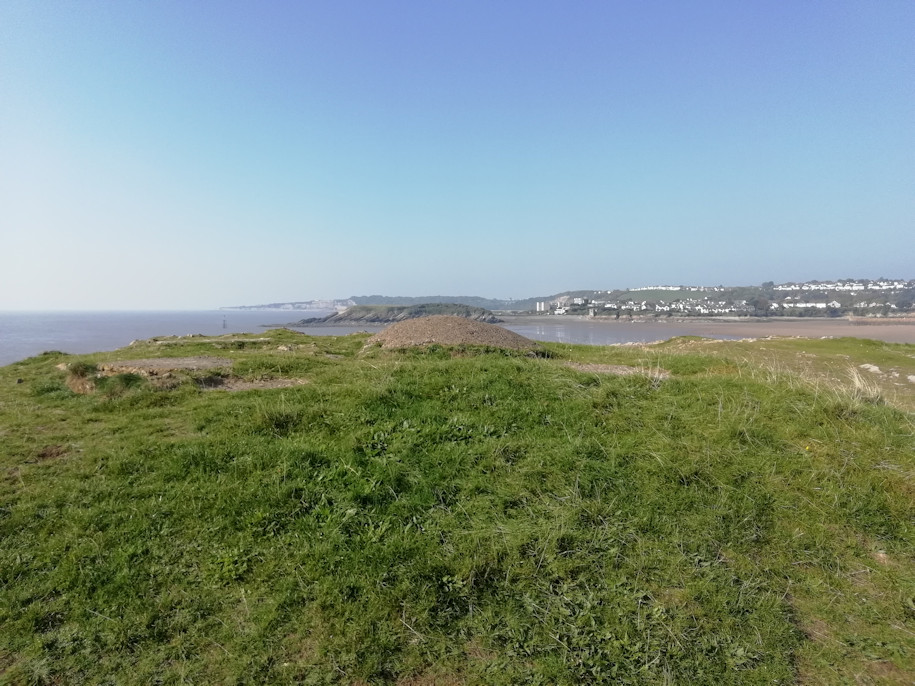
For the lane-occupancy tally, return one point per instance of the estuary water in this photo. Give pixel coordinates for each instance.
(23, 334)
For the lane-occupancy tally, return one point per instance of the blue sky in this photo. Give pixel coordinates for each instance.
(200, 154)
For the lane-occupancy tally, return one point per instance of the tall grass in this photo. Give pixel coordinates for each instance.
(422, 517)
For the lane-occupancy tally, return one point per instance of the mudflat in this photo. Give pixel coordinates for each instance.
(890, 330)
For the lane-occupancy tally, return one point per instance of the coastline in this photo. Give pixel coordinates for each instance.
(24, 334)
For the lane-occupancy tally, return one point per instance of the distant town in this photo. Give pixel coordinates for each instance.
(846, 297)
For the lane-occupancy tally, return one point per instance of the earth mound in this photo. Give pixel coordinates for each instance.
(448, 330)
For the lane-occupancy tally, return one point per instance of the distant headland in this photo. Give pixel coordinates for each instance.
(387, 314)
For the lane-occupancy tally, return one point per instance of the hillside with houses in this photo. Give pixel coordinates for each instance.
(861, 297)
(858, 297)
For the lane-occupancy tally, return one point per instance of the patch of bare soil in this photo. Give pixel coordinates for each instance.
(51, 452)
(80, 384)
(620, 370)
(431, 679)
(164, 365)
(448, 330)
(885, 672)
(181, 340)
(230, 384)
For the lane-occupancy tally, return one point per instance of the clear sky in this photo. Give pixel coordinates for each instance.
(177, 154)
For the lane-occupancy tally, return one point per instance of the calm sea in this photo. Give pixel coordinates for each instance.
(23, 334)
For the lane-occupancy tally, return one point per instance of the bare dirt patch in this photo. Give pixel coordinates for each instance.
(230, 384)
(431, 679)
(50, 452)
(885, 672)
(817, 630)
(181, 340)
(447, 330)
(163, 365)
(80, 384)
(620, 370)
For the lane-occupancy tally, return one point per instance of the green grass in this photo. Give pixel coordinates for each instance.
(451, 517)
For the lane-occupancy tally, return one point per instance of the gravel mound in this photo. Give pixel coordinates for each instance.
(447, 330)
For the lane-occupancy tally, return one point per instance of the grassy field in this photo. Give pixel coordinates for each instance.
(461, 516)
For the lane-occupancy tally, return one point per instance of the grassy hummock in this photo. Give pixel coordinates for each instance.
(461, 515)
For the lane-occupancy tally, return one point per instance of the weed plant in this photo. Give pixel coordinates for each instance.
(455, 516)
